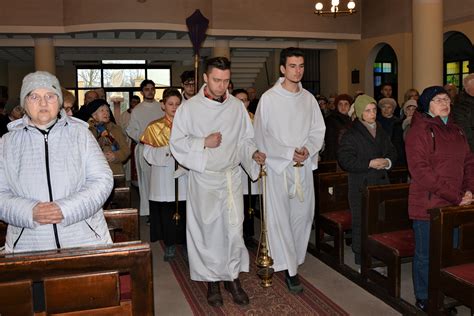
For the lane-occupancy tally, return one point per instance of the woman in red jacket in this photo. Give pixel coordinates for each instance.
(441, 168)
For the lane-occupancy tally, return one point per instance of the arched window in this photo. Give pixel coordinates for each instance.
(458, 58)
(385, 70)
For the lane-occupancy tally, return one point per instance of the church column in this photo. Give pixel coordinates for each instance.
(343, 71)
(45, 58)
(221, 49)
(427, 43)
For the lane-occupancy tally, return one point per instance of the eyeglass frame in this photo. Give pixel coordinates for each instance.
(439, 101)
(53, 98)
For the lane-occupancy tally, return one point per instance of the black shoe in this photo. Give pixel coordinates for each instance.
(293, 283)
(214, 296)
(422, 304)
(238, 294)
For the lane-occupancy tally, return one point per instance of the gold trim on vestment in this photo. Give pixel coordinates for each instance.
(157, 133)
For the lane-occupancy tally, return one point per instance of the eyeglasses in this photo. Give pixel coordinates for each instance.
(49, 98)
(441, 100)
(188, 84)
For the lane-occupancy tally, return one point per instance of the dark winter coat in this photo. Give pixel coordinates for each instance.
(440, 162)
(356, 149)
(336, 124)
(393, 127)
(463, 116)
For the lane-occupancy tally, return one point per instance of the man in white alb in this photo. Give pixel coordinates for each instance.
(289, 129)
(211, 136)
(145, 112)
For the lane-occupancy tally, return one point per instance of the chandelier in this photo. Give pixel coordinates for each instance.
(335, 8)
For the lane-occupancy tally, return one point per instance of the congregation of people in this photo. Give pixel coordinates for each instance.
(196, 158)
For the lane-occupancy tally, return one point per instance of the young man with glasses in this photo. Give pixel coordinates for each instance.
(187, 82)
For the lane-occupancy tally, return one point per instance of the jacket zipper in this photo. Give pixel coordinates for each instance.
(18, 238)
(96, 234)
(48, 176)
(433, 138)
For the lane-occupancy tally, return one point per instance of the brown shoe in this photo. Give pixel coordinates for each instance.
(214, 297)
(238, 294)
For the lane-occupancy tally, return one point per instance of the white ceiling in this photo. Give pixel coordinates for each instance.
(248, 54)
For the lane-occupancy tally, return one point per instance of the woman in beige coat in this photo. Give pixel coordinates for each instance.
(110, 137)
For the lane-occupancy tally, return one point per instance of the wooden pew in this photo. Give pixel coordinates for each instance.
(123, 224)
(387, 234)
(333, 213)
(3, 233)
(119, 198)
(327, 166)
(398, 175)
(451, 267)
(119, 180)
(78, 281)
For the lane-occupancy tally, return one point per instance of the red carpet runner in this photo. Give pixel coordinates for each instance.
(275, 300)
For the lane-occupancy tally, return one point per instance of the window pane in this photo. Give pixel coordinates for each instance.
(454, 79)
(116, 78)
(377, 81)
(465, 67)
(452, 68)
(161, 77)
(123, 61)
(88, 78)
(387, 67)
(377, 67)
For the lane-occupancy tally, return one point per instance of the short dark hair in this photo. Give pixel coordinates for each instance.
(187, 76)
(290, 52)
(238, 91)
(386, 84)
(171, 92)
(135, 97)
(221, 63)
(145, 83)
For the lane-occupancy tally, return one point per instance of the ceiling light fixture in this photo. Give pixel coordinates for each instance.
(335, 9)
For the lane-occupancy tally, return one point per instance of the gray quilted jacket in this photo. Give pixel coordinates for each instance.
(66, 166)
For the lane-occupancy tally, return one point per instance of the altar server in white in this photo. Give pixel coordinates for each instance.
(145, 112)
(163, 199)
(211, 135)
(289, 129)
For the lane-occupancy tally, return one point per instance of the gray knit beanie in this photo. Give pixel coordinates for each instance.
(40, 80)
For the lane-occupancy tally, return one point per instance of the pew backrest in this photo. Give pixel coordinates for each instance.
(119, 180)
(398, 175)
(327, 166)
(331, 191)
(3, 233)
(385, 208)
(78, 279)
(123, 224)
(443, 223)
(119, 198)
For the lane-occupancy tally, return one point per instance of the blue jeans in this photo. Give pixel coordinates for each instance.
(421, 260)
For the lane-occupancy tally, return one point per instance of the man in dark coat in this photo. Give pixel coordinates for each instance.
(463, 110)
(336, 124)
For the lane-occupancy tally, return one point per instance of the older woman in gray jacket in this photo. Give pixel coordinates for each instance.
(54, 178)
